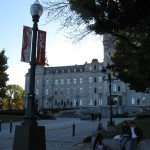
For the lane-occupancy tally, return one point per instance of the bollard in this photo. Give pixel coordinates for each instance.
(73, 129)
(11, 126)
(0, 125)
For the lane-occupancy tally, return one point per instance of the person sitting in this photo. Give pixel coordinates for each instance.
(99, 135)
(125, 134)
(136, 136)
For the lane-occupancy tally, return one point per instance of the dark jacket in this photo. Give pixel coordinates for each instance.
(138, 132)
(125, 130)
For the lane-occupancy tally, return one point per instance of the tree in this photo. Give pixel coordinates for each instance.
(127, 20)
(15, 96)
(3, 74)
(133, 65)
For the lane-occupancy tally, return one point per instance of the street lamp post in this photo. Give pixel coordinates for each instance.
(108, 71)
(30, 136)
(110, 99)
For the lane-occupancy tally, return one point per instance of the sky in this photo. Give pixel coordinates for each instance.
(60, 51)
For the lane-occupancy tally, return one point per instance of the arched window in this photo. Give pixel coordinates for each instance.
(95, 103)
(95, 90)
(62, 102)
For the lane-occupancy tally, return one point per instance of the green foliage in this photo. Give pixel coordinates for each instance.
(3, 74)
(15, 97)
(13, 118)
(132, 60)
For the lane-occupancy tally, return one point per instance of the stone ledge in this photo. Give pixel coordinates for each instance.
(114, 144)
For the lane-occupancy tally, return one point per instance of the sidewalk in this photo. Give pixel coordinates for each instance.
(58, 133)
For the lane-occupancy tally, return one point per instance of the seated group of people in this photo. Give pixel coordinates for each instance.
(128, 132)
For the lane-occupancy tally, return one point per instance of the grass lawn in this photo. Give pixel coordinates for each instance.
(8, 118)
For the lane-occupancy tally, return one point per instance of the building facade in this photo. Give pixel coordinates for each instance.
(82, 86)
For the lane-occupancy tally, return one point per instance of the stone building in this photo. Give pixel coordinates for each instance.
(82, 85)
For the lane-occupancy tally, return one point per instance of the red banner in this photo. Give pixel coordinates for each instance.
(41, 48)
(26, 44)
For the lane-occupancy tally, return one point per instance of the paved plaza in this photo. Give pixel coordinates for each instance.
(59, 135)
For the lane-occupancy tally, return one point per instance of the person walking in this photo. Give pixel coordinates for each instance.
(136, 136)
(92, 116)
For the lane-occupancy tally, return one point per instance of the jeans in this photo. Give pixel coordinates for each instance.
(133, 143)
(122, 142)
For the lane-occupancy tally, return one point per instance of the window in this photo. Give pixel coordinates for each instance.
(62, 81)
(62, 103)
(80, 69)
(133, 100)
(81, 90)
(118, 88)
(100, 102)
(74, 81)
(95, 103)
(90, 90)
(56, 82)
(81, 80)
(55, 103)
(46, 91)
(94, 67)
(62, 71)
(68, 70)
(114, 88)
(68, 102)
(90, 79)
(100, 88)
(95, 90)
(144, 100)
(74, 102)
(90, 68)
(55, 92)
(100, 79)
(90, 102)
(37, 91)
(81, 102)
(37, 82)
(68, 81)
(75, 70)
(95, 80)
